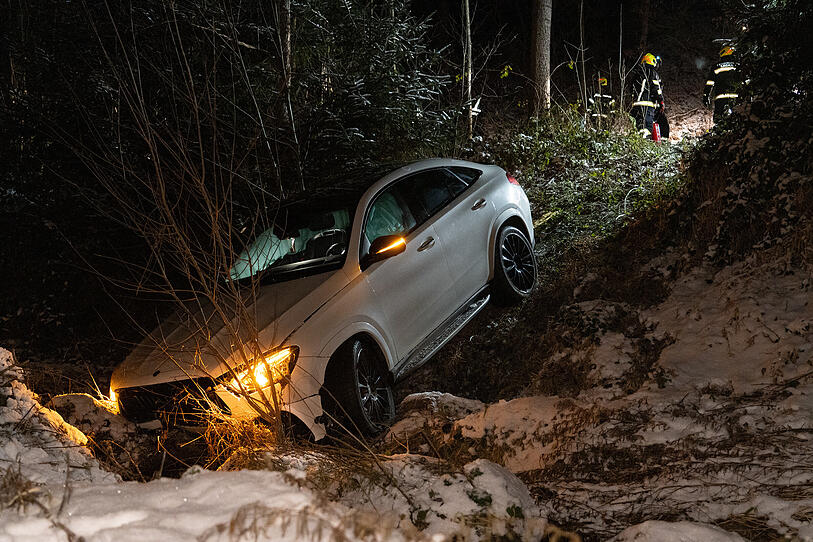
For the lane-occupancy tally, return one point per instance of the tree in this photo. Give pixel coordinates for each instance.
(635, 14)
(542, 20)
(467, 68)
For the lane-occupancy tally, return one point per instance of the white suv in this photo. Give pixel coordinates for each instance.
(357, 288)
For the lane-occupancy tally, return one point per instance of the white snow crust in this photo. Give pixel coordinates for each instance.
(70, 497)
(720, 427)
(678, 531)
(35, 440)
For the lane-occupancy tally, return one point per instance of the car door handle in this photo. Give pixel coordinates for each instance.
(429, 243)
(479, 204)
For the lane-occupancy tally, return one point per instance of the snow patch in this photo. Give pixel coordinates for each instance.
(35, 440)
(679, 531)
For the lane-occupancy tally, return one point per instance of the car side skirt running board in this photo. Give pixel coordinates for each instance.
(442, 334)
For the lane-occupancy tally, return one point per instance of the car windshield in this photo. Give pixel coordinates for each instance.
(306, 237)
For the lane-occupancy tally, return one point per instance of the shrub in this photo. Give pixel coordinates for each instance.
(753, 173)
(584, 184)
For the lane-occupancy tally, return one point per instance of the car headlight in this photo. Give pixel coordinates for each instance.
(271, 368)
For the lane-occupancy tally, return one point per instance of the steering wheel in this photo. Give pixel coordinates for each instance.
(331, 232)
(336, 249)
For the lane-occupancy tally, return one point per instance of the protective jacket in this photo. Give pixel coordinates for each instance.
(601, 105)
(647, 97)
(646, 87)
(722, 87)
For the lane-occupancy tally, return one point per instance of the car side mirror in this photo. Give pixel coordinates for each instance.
(382, 248)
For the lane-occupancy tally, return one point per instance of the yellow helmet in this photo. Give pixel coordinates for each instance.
(650, 59)
(727, 50)
(602, 81)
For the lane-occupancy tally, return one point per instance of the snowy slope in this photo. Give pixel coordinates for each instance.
(52, 489)
(700, 412)
(705, 415)
(35, 440)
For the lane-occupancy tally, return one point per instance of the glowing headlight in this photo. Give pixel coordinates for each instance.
(271, 368)
(112, 404)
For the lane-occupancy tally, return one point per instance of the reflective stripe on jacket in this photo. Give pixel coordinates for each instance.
(646, 87)
(723, 83)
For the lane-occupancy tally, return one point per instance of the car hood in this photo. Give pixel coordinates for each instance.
(198, 341)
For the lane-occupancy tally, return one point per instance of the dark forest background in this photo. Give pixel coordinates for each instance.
(257, 101)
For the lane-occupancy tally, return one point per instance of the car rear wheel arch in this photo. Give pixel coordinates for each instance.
(513, 220)
(515, 268)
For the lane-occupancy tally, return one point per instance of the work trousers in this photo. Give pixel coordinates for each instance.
(644, 117)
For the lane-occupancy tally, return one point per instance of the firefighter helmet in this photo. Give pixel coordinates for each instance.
(602, 81)
(726, 51)
(650, 59)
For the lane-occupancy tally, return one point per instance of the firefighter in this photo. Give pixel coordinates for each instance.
(722, 87)
(601, 105)
(647, 96)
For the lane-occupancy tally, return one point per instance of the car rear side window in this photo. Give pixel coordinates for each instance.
(429, 191)
(468, 174)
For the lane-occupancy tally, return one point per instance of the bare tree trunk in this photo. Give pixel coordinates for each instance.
(582, 64)
(622, 74)
(543, 10)
(283, 20)
(636, 28)
(285, 38)
(643, 18)
(467, 69)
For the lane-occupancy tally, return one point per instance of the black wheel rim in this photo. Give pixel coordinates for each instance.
(518, 262)
(375, 395)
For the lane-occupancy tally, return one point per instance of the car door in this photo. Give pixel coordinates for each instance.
(412, 289)
(461, 215)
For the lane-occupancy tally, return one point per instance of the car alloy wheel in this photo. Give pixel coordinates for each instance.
(518, 261)
(515, 267)
(374, 393)
(357, 394)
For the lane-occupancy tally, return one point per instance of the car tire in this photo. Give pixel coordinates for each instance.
(359, 394)
(514, 267)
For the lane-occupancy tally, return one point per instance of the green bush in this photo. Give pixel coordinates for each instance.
(584, 184)
(754, 170)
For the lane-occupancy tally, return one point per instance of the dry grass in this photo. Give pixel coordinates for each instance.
(751, 527)
(257, 521)
(18, 492)
(238, 444)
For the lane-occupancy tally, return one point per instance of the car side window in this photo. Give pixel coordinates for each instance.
(429, 191)
(468, 174)
(456, 184)
(388, 215)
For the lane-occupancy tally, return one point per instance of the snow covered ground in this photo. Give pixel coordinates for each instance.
(52, 489)
(702, 410)
(698, 413)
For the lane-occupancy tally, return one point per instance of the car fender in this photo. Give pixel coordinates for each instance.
(356, 328)
(502, 217)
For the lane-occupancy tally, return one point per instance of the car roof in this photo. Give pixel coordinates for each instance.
(345, 186)
(349, 185)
